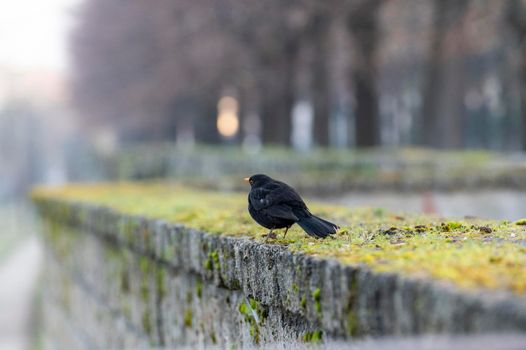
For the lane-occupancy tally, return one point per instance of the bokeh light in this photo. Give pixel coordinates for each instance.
(228, 120)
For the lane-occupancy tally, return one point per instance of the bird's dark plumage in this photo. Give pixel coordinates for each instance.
(274, 205)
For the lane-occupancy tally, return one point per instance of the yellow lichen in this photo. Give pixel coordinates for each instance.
(471, 254)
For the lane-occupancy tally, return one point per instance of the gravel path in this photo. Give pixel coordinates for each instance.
(18, 275)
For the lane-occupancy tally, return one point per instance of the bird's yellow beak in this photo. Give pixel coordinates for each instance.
(246, 179)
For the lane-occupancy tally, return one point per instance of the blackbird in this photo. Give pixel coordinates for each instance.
(274, 205)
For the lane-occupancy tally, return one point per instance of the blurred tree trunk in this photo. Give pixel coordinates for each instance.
(443, 100)
(248, 106)
(277, 98)
(244, 107)
(452, 109)
(363, 26)
(433, 85)
(516, 19)
(181, 117)
(320, 87)
(522, 84)
(205, 124)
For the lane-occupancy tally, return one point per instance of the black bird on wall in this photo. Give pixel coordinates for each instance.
(274, 205)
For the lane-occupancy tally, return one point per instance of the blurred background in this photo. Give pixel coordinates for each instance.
(404, 104)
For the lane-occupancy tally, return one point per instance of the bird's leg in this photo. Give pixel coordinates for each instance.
(268, 235)
(286, 230)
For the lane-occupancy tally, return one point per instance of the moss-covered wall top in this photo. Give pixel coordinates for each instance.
(471, 253)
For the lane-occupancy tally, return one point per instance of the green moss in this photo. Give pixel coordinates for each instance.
(212, 260)
(254, 333)
(236, 284)
(215, 257)
(125, 282)
(147, 322)
(379, 212)
(354, 286)
(419, 305)
(189, 297)
(144, 264)
(421, 246)
(520, 222)
(244, 309)
(316, 296)
(313, 337)
(213, 337)
(303, 302)
(451, 226)
(295, 288)
(254, 315)
(161, 281)
(188, 318)
(352, 318)
(352, 323)
(199, 289)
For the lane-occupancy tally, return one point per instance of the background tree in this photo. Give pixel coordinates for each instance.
(442, 111)
(516, 18)
(319, 31)
(409, 70)
(363, 26)
(270, 32)
(150, 70)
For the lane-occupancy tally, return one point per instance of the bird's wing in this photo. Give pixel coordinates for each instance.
(279, 200)
(281, 211)
(283, 193)
(260, 198)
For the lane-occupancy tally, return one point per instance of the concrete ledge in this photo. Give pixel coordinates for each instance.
(123, 280)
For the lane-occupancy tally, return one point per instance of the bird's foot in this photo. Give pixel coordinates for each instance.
(286, 230)
(270, 235)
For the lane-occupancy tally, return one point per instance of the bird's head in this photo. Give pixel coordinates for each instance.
(257, 180)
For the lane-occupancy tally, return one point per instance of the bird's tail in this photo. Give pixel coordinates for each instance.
(317, 227)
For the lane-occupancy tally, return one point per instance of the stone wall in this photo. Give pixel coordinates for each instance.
(326, 172)
(118, 281)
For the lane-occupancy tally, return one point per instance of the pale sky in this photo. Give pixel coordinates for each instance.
(34, 33)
